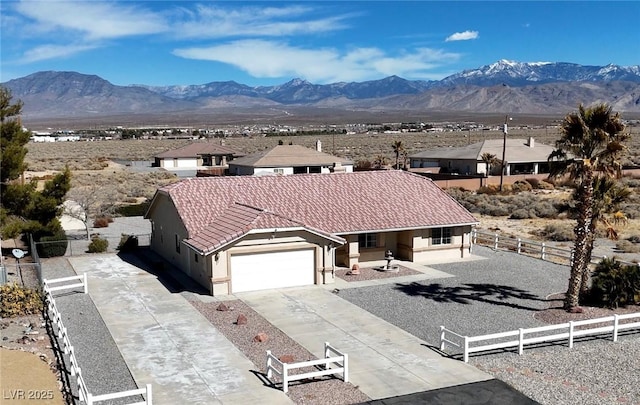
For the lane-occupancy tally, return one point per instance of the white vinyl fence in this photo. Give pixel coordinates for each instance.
(274, 365)
(56, 318)
(540, 250)
(542, 334)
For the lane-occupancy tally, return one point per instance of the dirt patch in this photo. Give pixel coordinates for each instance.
(28, 367)
(556, 314)
(370, 273)
(318, 390)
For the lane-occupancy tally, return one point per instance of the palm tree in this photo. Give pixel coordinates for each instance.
(398, 148)
(592, 142)
(380, 161)
(490, 160)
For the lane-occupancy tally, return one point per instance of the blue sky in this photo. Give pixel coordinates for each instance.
(271, 42)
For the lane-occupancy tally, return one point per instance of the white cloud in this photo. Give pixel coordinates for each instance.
(462, 36)
(45, 52)
(215, 22)
(95, 20)
(273, 59)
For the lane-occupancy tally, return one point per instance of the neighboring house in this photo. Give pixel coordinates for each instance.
(289, 159)
(522, 156)
(196, 155)
(243, 233)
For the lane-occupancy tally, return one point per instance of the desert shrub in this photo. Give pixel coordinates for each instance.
(98, 245)
(520, 186)
(490, 189)
(538, 184)
(545, 209)
(102, 221)
(128, 243)
(133, 210)
(16, 300)
(558, 233)
(627, 246)
(52, 245)
(614, 284)
(520, 213)
(545, 185)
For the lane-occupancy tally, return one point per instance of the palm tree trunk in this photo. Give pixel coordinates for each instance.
(586, 275)
(582, 232)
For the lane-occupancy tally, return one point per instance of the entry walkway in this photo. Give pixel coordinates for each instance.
(168, 343)
(384, 360)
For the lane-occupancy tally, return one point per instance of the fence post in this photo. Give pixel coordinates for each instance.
(345, 366)
(495, 242)
(441, 337)
(542, 255)
(149, 396)
(570, 334)
(466, 349)
(616, 320)
(520, 341)
(571, 257)
(285, 377)
(269, 372)
(519, 245)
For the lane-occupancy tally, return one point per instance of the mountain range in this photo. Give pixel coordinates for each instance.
(504, 86)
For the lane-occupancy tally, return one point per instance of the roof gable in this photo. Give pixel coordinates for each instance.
(288, 156)
(196, 149)
(238, 220)
(338, 203)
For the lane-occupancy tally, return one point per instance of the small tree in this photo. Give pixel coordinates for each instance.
(490, 160)
(398, 148)
(87, 202)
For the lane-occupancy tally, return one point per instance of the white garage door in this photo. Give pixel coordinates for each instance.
(251, 272)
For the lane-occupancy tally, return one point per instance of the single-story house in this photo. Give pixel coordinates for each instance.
(195, 155)
(522, 156)
(289, 159)
(244, 233)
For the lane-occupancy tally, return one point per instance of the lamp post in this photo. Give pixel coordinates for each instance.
(505, 130)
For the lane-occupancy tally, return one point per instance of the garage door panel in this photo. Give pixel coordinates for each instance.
(261, 271)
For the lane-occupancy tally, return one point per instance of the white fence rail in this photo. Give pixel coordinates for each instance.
(331, 357)
(540, 250)
(62, 334)
(550, 333)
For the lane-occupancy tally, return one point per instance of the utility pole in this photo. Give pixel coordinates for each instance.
(504, 151)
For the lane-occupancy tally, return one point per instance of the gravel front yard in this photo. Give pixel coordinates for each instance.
(504, 292)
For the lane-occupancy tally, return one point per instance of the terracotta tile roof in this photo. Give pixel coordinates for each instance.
(517, 151)
(196, 149)
(238, 220)
(289, 156)
(338, 203)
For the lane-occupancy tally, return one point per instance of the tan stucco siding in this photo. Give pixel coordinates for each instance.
(166, 227)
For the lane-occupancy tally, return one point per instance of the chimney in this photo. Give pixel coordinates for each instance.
(318, 146)
(531, 142)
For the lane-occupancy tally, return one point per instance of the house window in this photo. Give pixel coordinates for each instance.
(367, 240)
(278, 171)
(195, 257)
(177, 244)
(441, 236)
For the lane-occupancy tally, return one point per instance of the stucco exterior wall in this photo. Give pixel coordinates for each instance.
(165, 227)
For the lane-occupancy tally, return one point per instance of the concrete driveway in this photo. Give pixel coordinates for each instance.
(384, 360)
